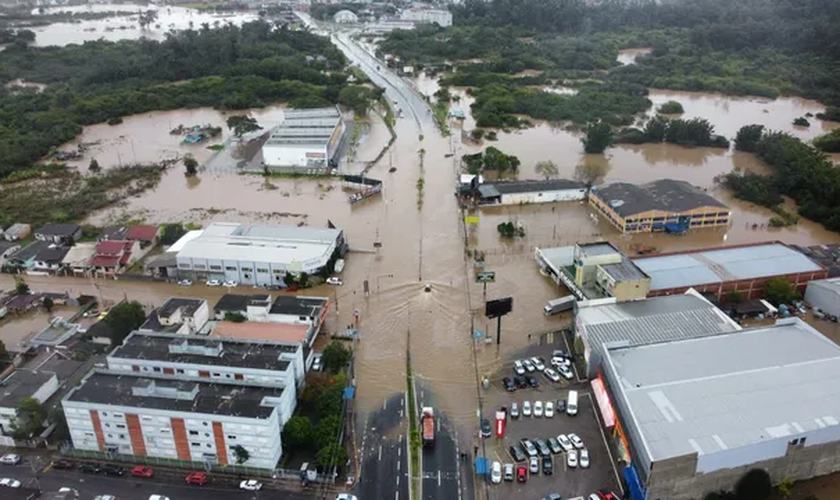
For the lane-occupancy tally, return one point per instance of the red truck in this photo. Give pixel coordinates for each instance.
(427, 421)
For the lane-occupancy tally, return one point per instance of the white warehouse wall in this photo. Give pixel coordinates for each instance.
(544, 196)
(292, 155)
(822, 297)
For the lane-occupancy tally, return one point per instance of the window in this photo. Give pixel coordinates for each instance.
(204, 424)
(156, 369)
(262, 270)
(200, 266)
(104, 413)
(230, 268)
(89, 434)
(183, 266)
(302, 318)
(216, 268)
(797, 442)
(207, 434)
(195, 444)
(107, 424)
(122, 436)
(209, 445)
(231, 437)
(120, 426)
(217, 374)
(180, 370)
(193, 433)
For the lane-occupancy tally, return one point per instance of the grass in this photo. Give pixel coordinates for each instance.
(216, 147)
(414, 434)
(441, 114)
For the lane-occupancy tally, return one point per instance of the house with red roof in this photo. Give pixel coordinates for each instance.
(111, 257)
(147, 236)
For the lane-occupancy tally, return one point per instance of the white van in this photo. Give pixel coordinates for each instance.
(572, 403)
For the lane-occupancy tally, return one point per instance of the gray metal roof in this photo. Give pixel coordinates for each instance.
(530, 186)
(624, 271)
(731, 390)
(831, 284)
(725, 264)
(558, 256)
(667, 195)
(598, 248)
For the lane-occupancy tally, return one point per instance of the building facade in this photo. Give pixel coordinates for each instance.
(824, 294)
(178, 315)
(16, 387)
(306, 142)
(442, 18)
(526, 192)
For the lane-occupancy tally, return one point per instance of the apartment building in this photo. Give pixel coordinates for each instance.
(178, 315)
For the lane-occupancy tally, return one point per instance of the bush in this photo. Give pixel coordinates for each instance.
(115, 120)
(671, 108)
(829, 142)
(801, 122)
(754, 485)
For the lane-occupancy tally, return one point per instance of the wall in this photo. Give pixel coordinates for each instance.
(824, 298)
(288, 158)
(544, 196)
(631, 290)
(749, 289)
(654, 220)
(243, 272)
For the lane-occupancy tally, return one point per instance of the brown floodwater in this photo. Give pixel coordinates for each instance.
(628, 56)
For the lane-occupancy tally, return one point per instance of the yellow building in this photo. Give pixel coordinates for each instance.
(664, 205)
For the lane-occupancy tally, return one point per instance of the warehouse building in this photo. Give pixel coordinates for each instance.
(664, 205)
(824, 294)
(306, 142)
(442, 18)
(522, 192)
(259, 254)
(720, 271)
(605, 323)
(697, 414)
(189, 419)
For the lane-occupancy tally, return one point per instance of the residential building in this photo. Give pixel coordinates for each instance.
(7, 248)
(113, 233)
(56, 333)
(272, 332)
(22, 384)
(305, 142)
(49, 260)
(253, 362)
(259, 254)
(824, 294)
(524, 192)
(165, 264)
(78, 257)
(178, 315)
(60, 234)
(594, 270)
(442, 18)
(603, 323)
(663, 205)
(721, 271)
(146, 236)
(191, 419)
(17, 231)
(309, 312)
(111, 257)
(251, 306)
(695, 415)
(24, 258)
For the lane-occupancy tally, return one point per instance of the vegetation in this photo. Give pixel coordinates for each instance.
(48, 304)
(510, 230)
(597, 137)
(336, 356)
(240, 454)
(693, 132)
(30, 419)
(801, 122)
(832, 113)
(328, 406)
(829, 142)
(778, 290)
(4, 353)
(491, 159)
(359, 98)
(21, 287)
(172, 233)
(123, 319)
(297, 433)
(748, 137)
(671, 108)
(755, 484)
(94, 166)
(235, 317)
(190, 166)
(590, 173)
(241, 125)
(546, 169)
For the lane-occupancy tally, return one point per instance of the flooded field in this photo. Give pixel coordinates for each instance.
(628, 56)
(127, 27)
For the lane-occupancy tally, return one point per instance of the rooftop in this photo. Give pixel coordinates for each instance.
(277, 332)
(29, 251)
(705, 395)
(239, 303)
(597, 248)
(559, 257)
(187, 306)
(306, 126)
(298, 306)
(142, 233)
(52, 253)
(528, 186)
(175, 395)
(702, 267)
(22, 384)
(201, 350)
(113, 233)
(831, 284)
(667, 195)
(6, 245)
(62, 230)
(79, 254)
(624, 271)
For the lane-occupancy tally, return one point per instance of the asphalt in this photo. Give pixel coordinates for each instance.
(442, 465)
(384, 453)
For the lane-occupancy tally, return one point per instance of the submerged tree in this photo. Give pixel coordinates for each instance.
(591, 172)
(145, 19)
(190, 165)
(241, 125)
(546, 169)
(597, 137)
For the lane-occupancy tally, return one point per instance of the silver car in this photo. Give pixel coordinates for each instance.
(565, 443)
(534, 465)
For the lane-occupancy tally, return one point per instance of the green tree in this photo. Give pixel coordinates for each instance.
(336, 356)
(61, 433)
(327, 430)
(801, 122)
(591, 172)
(778, 290)
(747, 137)
(597, 137)
(190, 165)
(30, 419)
(146, 19)
(123, 319)
(235, 317)
(671, 108)
(241, 125)
(332, 455)
(172, 233)
(297, 433)
(656, 128)
(734, 297)
(48, 304)
(755, 484)
(303, 280)
(21, 288)
(241, 455)
(94, 166)
(356, 97)
(829, 142)
(546, 169)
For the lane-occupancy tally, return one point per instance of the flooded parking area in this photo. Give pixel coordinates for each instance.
(16, 329)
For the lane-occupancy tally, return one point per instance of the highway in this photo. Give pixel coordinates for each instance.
(384, 455)
(442, 467)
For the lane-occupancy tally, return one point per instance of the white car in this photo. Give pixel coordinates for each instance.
(538, 409)
(10, 459)
(539, 365)
(496, 472)
(526, 408)
(334, 280)
(549, 409)
(250, 485)
(518, 368)
(534, 465)
(10, 483)
(566, 372)
(572, 458)
(230, 284)
(593, 496)
(584, 458)
(316, 364)
(514, 410)
(346, 496)
(158, 497)
(528, 365)
(558, 362)
(105, 497)
(565, 443)
(65, 489)
(185, 283)
(551, 374)
(214, 283)
(576, 440)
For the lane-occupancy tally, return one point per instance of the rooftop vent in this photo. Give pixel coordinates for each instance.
(211, 349)
(148, 388)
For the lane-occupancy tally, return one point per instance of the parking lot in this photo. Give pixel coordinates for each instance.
(569, 482)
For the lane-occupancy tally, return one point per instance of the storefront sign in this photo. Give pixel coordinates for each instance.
(604, 403)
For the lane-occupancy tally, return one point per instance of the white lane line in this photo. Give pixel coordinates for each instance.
(438, 478)
(380, 452)
(398, 464)
(385, 404)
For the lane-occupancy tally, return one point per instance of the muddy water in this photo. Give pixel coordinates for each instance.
(15, 330)
(628, 56)
(126, 27)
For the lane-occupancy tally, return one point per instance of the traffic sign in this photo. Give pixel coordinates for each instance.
(485, 277)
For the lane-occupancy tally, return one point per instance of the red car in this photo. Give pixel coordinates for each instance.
(140, 471)
(606, 495)
(521, 473)
(198, 478)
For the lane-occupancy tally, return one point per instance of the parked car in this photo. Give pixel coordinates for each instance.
(214, 283)
(62, 464)
(496, 472)
(113, 470)
(534, 465)
(90, 468)
(553, 496)
(486, 429)
(560, 406)
(158, 497)
(185, 283)
(198, 478)
(316, 363)
(514, 410)
(526, 408)
(547, 466)
(230, 284)
(532, 381)
(554, 445)
(517, 454)
(560, 353)
(250, 485)
(528, 365)
(95, 312)
(538, 364)
(577, 441)
(549, 409)
(606, 495)
(521, 473)
(521, 381)
(509, 385)
(10, 459)
(542, 445)
(565, 443)
(518, 368)
(104, 497)
(334, 280)
(566, 372)
(572, 458)
(9, 483)
(529, 447)
(584, 458)
(509, 472)
(551, 374)
(142, 471)
(538, 409)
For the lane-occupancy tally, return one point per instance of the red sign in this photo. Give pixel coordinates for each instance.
(604, 403)
(500, 427)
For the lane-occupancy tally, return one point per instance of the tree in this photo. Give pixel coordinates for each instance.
(754, 485)
(801, 122)
(597, 137)
(241, 455)
(591, 172)
(61, 432)
(327, 430)
(356, 97)
(190, 165)
(303, 280)
(145, 19)
(778, 290)
(829, 142)
(335, 356)
(241, 125)
(747, 137)
(332, 455)
(4, 354)
(29, 420)
(94, 166)
(21, 288)
(671, 108)
(734, 297)
(235, 317)
(48, 304)
(297, 433)
(546, 168)
(329, 401)
(123, 319)
(656, 128)
(172, 233)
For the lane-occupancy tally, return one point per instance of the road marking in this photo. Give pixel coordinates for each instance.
(385, 404)
(380, 452)
(438, 477)
(396, 495)
(401, 414)
(400, 438)
(398, 479)
(399, 451)
(398, 464)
